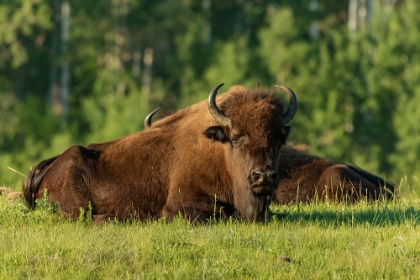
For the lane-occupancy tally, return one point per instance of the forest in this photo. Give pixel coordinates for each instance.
(77, 72)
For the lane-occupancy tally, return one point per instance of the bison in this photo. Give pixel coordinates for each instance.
(207, 160)
(306, 178)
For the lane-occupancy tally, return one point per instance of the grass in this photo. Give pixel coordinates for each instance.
(314, 241)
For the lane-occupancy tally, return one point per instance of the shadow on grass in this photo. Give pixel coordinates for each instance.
(372, 216)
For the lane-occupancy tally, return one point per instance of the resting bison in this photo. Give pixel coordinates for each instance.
(201, 161)
(305, 178)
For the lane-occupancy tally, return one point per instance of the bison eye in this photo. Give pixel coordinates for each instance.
(236, 143)
(239, 141)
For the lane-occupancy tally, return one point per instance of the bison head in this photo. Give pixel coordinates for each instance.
(251, 125)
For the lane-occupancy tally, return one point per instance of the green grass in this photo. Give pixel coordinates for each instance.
(315, 241)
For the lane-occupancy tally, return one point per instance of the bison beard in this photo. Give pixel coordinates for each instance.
(254, 206)
(203, 161)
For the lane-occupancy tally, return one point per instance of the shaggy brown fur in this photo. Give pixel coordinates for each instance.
(185, 163)
(305, 178)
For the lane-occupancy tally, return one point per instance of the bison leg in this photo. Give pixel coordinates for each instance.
(191, 214)
(340, 183)
(386, 188)
(65, 182)
(195, 209)
(103, 219)
(33, 180)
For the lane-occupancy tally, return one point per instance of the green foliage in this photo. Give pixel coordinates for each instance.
(85, 217)
(25, 136)
(21, 18)
(399, 58)
(324, 82)
(227, 67)
(111, 116)
(46, 206)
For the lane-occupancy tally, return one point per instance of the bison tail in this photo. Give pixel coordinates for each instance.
(32, 181)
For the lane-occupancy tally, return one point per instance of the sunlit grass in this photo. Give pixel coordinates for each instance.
(312, 241)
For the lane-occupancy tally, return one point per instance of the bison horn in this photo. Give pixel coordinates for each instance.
(291, 111)
(148, 119)
(214, 110)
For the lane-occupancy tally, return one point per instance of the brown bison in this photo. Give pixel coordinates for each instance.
(203, 161)
(306, 178)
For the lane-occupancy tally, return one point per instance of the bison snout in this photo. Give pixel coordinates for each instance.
(263, 182)
(263, 178)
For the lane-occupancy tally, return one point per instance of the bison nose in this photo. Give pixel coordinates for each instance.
(263, 178)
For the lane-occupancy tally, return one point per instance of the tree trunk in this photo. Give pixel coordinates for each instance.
(352, 18)
(147, 73)
(205, 5)
(313, 30)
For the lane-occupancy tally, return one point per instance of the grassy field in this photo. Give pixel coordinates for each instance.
(316, 241)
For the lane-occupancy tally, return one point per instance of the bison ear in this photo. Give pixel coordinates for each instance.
(216, 133)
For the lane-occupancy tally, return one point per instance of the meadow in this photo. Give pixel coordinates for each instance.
(308, 241)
